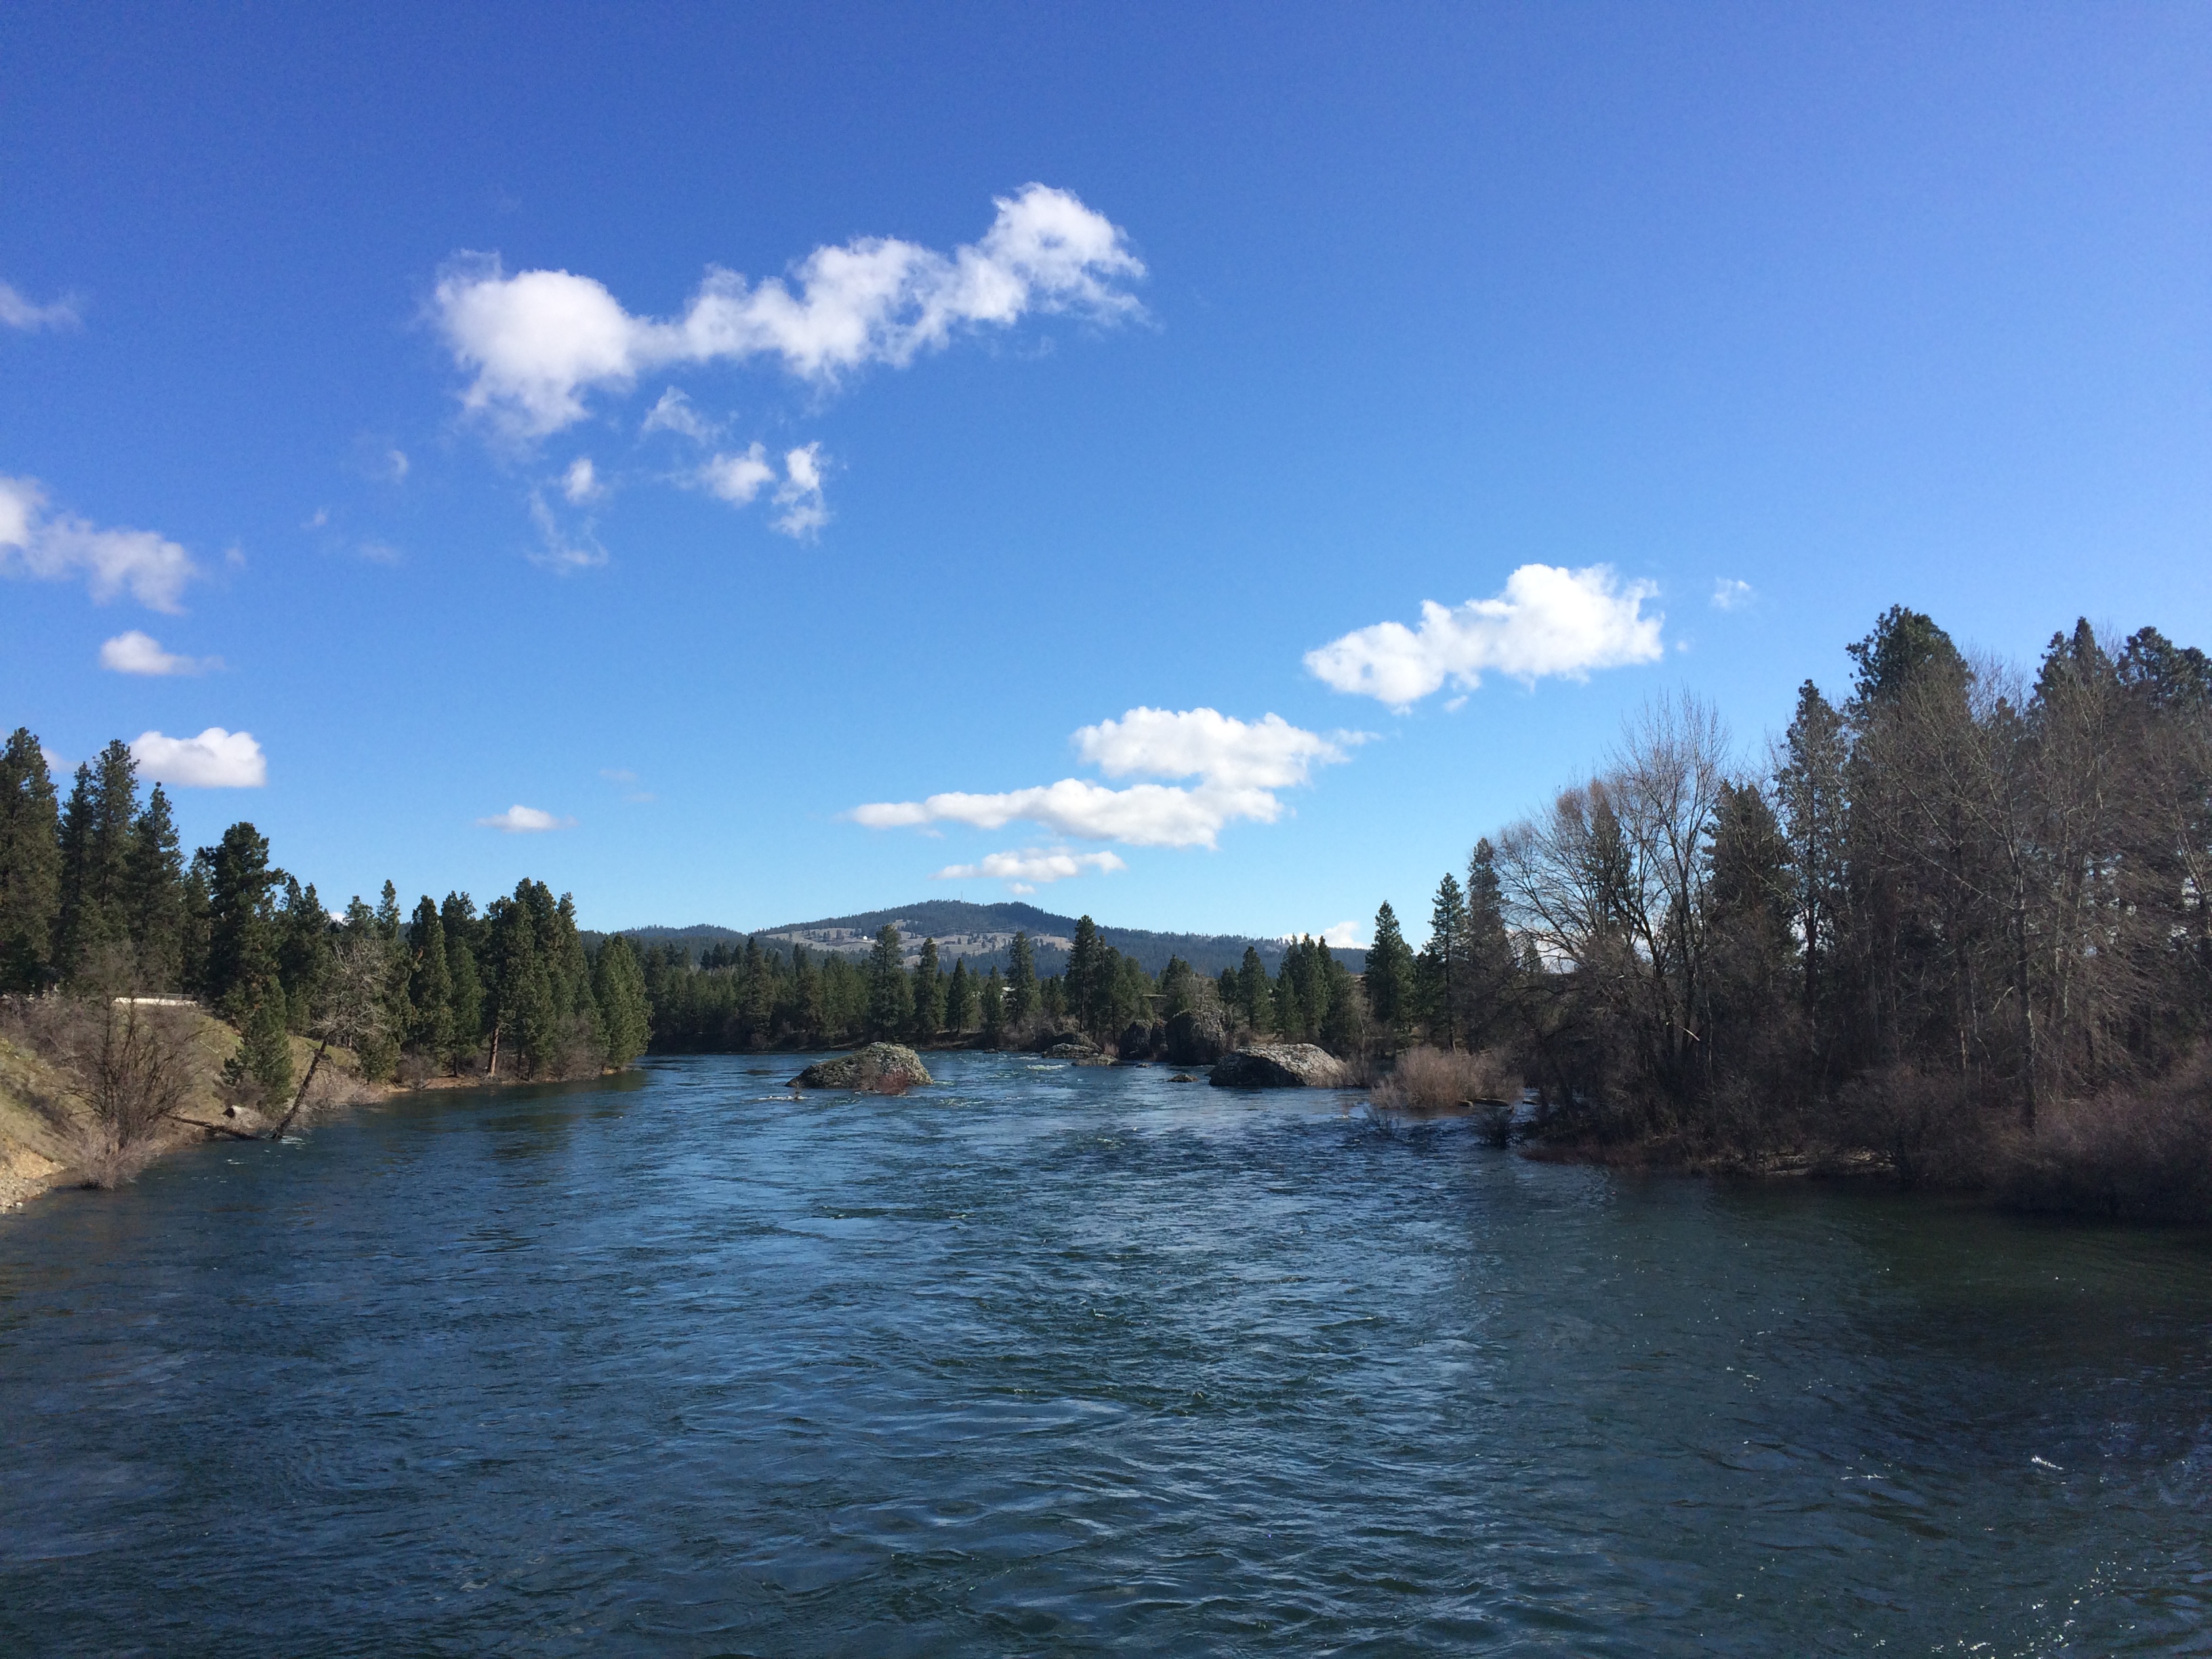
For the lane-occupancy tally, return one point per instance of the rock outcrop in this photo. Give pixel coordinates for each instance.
(1281, 1066)
(885, 1068)
(1194, 1039)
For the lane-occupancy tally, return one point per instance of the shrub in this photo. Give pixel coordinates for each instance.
(2140, 1152)
(1433, 1080)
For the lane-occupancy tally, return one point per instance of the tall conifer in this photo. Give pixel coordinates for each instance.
(30, 864)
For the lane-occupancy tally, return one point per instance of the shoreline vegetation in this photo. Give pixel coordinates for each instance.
(1950, 931)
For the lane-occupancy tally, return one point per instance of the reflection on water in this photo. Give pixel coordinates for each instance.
(1056, 1360)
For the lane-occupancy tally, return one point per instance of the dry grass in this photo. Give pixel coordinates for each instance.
(1433, 1080)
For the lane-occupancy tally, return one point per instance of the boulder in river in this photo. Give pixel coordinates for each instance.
(1281, 1066)
(1194, 1039)
(1137, 1040)
(883, 1068)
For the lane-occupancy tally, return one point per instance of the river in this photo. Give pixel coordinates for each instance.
(1044, 1360)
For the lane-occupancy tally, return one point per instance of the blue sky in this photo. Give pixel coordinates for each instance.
(1315, 315)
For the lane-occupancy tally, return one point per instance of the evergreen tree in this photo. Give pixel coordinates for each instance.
(1021, 982)
(1087, 980)
(242, 931)
(30, 864)
(192, 922)
(993, 1010)
(1052, 997)
(1252, 989)
(154, 896)
(262, 1062)
(929, 994)
(1810, 786)
(387, 915)
(891, 1001)
(429, 984)
(1284, 1010)
(93, 930)
(619, 988)
(1178, 988)
(304, 957)
(519, 991)
(1343, 1027)
(1443, 961)
(457, 919)
(1490, 959)
(960, 998)
(1389, 976)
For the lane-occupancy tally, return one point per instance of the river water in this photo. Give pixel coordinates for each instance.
(1050, 1361)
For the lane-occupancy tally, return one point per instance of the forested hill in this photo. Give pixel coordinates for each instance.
(981, 933)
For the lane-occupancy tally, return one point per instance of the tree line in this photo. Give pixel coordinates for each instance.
(97, 900)
(1962, 908)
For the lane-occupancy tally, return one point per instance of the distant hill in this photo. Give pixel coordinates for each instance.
(983, 933)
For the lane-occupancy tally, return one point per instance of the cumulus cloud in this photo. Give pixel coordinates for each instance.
(1238, 764)
(1729, 594)
(17, 311)
(537, 342)
(737, 478)
(1345, 936)
(1033, 868)
(520, 820)
(216, 759)
(580, 483)
(58, 547)
(1549, 622)
(134, 653)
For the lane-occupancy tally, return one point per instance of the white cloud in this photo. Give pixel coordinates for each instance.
(675, 413)
(1729, 594)
(799, 495)
(1345, 935)
(1549, 622)
(560, 549)
(537, 342)
(16, 312)
(395, 465)
(1239, 766)
(520, 820)
(1031, 869)
(1269, 753)
(134, 653)
(56, 548)
(737, 479)
(580, 483)
(216, 759)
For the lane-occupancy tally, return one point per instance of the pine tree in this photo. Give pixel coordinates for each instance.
(457, 917)
(1086, 980)
(154, 896)
(929, 994)
(1810, 786)
(93, 930)
(1252, 989)
(262, 1062)
(1284, 1010)
(519, 991)
(1389, 976)
(1445, 958)
(241, 932)
(1490, 959)
(429, 984)
(960, 998)
(1021, 982)
(993, 1008)
(619, 988)
(30, 864)
(304, 958)
(891, 1001)
(387, 915)
(1343, 1027)
(1178, 988)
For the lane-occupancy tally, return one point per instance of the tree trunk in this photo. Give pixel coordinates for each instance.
(298, 1099)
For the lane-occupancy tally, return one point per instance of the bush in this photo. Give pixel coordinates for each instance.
(2140, 1153)
(1432, 1080)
